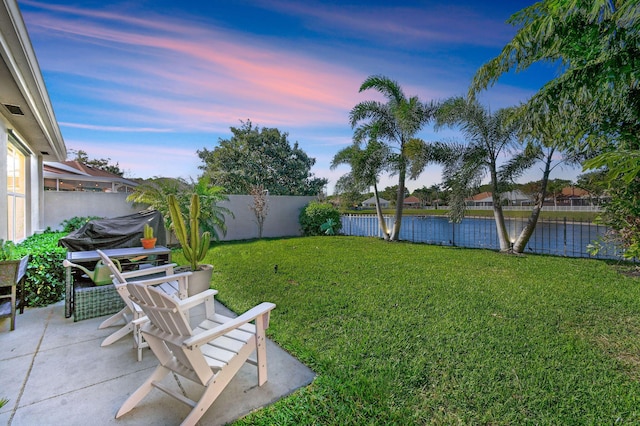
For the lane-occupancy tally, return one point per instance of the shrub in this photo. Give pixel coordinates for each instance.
(77, 222)
(45, 282)
(315, 214)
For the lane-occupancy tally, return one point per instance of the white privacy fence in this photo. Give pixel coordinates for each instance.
(281, 220)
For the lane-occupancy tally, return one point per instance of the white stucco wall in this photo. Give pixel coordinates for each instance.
(59, 206)
(281, 220)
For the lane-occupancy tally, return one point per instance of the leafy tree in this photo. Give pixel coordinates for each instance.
(394, 123)
(597, 43)
(424, 195)
(254, 156)
(428, 196)
(102, 163)
(594, 183)
(555, 187)
(366, 166)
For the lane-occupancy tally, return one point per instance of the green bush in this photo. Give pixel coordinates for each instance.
(77, 222)
(45, 282)
(315, 214)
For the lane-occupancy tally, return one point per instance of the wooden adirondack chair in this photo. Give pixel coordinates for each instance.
(160, 276)
(209, 354)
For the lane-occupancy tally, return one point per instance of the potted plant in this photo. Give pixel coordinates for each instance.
(194, 245)
(12, 270)
(147, 240)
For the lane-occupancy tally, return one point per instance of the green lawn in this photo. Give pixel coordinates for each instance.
(403, 333)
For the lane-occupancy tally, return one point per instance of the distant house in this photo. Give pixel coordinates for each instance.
(510, 198)
(371, 203)
(76, 176)
(574, 196)
(412, 202)
(481, 199)
(516, 198)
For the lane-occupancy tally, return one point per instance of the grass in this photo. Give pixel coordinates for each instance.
(403, 333)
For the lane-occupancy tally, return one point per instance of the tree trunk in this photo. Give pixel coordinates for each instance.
(395, 236)
(501, 227)
(381, 221)
(498, 214)
(527, 232)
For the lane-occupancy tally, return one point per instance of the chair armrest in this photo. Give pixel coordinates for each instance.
(197, 299)
(207, 336)
(149, 271)
(164, 279)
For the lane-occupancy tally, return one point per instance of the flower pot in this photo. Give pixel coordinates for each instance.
(200, 280)
(148, 243)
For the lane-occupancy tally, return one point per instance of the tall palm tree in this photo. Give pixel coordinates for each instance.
(366, 166)
(545, 140)
(489, 136)
(394, 123)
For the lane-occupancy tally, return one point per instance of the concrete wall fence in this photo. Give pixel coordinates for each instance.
(281, 220)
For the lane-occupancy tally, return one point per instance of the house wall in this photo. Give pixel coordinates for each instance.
(281, 220)
(3, 179)
(32, 196)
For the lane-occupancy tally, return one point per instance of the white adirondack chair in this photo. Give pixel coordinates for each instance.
(160, 276)
(209, 354)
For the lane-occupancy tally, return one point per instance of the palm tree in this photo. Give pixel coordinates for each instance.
(395, 123)
(366, 166)
(488, 137)
(154, 192)
(544, 141)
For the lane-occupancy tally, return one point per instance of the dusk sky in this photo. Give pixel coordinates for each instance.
(148, 83)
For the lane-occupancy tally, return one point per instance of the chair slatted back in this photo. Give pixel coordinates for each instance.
(112, 267)
(162, 309)
(168, 328)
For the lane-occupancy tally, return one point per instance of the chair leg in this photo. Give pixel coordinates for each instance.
(158, 374)
(128, 328)
(13, 308)
(217, 384)
(261, 350)
(122, 315)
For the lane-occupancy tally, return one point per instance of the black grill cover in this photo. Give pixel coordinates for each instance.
(117, 232)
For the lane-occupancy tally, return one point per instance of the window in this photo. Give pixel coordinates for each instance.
(16, 193)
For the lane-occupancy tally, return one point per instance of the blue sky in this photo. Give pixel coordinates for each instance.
(148, 83)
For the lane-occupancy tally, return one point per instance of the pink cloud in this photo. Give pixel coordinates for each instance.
(191, 80)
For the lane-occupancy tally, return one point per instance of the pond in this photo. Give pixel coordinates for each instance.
(560, 237)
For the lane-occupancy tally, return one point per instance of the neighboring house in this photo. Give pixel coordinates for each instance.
(29, 132)
(574, 196)
(510, 198)
(481, 199)
(76, 176)
(412, 202)
(371, 203)
(516, 198)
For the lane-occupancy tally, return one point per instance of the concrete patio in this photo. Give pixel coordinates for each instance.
(53, 372)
